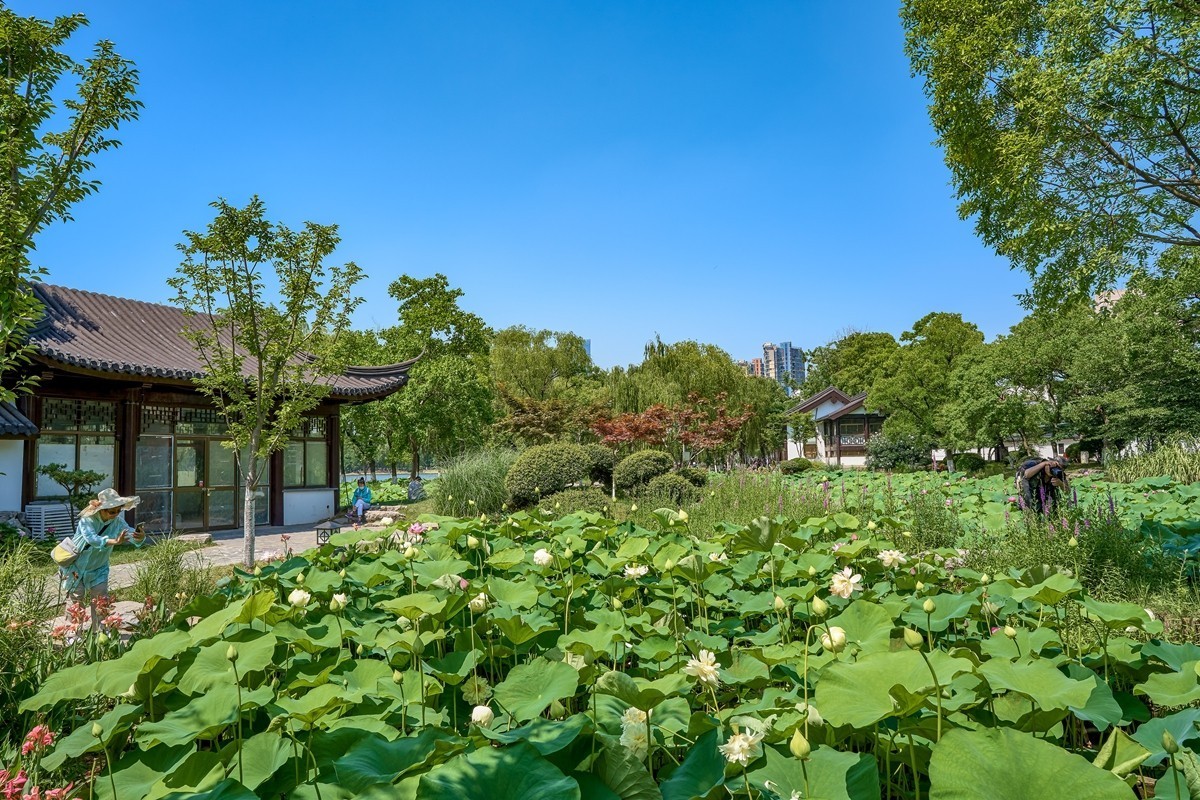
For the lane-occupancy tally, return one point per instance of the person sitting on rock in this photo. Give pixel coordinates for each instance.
(360, 502)
(416, 489)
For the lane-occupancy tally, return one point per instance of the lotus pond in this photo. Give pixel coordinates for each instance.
(577, 657)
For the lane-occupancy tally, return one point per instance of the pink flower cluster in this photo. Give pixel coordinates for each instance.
(37, 740)
(12, 787)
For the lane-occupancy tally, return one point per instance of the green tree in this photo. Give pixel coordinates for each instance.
(1071, 128)
(265, 364)
(45, 154)
(985, 406)
(915, 385)
(850, 362)
(546, 383)
(447, 405)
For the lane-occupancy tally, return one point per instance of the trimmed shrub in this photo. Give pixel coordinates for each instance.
(477, 476)
(545, 469)
(891, 451)
(672, 486)
(638, 469)
(603, 461)
(968, 462)
(570, 501)
(794, 466)
(694, 475)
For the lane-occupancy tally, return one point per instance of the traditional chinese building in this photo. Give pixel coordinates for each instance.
(116, 395)
(844, 426)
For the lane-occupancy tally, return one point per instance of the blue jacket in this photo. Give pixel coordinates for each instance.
(91, 542)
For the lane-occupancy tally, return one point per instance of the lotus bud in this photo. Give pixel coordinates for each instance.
(929, 606)
(338, 602)
(102, 639)
(472, 543)
(906, 533)
(834, 640)
(1169, 744)
(410, 553)
(1010, 631)
(231, 653)
(418, 646)
(633, 508)
(97, 730)
(258, 572)
(683, 516)
(617, 605)
(342, 574)
(985, 579)
(812, 572)
(669, 565)
(819, 607)
(780, 605)
(920, 586)
(300, 579)
(871, 525)
(799, 746)
(557, 710)
(568, 554)
(912, 639)
(482, 716)
(1072, 542)
(470, 502)
(397, 676)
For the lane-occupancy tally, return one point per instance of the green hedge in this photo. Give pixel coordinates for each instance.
(968, 462)
(694, 475)
(674, 487)
(545, 469)
(569, 501)
(638, 469)
(603, 460)
(794, 466)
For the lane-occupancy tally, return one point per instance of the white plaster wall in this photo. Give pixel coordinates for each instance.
(308, 505)
(12, 462)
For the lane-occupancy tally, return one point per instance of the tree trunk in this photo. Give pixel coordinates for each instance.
(250, 479)
(394, 470)
(416, 459)
(374, 470)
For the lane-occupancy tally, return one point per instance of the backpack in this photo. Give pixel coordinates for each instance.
(66, 552)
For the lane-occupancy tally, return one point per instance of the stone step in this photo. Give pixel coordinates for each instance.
(195, 538)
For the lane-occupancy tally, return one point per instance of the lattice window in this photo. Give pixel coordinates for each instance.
(204, 421)
(61, 414)
(158, 419)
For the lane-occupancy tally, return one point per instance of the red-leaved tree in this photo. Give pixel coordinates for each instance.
(698, 426)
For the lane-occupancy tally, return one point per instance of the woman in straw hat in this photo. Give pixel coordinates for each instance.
(101, 528)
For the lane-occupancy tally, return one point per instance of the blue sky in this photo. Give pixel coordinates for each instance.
(732, 173)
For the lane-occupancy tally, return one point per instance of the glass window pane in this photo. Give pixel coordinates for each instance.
(98, 453)
(189, 462)
(293, 464)
(221, 468)
(155, 510)
(221, 508)
(153, 462)
(54, 450)
(316, 465)
(189, 510)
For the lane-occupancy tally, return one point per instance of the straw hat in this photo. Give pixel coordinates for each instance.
(108, 498)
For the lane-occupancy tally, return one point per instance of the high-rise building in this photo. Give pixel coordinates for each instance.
(782, 360)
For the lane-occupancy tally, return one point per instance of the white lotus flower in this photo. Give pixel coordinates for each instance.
(387, 520)
(742, 748)
(482, 716)
(543, 558)
(845, 583)
(635, 740)
(299, 598)
(892, 558)
(479, 603)
(337, 602)
(835, 640)
(633, 716)
(704, 669)
(635, 571)
(719, 558)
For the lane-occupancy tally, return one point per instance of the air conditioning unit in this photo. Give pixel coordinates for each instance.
(49, 520)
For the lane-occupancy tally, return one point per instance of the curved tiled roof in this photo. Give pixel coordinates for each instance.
(808, 404)
(14, 423)
(95, 332)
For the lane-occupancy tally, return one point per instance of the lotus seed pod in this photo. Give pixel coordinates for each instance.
(231, 653)
(472, 543)
(1072, 542)
(912, 639)
(300, 579)
(1169, 744)
(780, 606)
(799, 746)
(929, 606)
(97, 730)
(1010, 631)
(819, 607)
(557, 710)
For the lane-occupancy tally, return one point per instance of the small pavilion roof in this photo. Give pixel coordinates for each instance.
(14, 424)
(828, 393)
(94, 333)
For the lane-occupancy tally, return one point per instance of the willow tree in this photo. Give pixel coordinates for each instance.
(266, 313)
(46, 151)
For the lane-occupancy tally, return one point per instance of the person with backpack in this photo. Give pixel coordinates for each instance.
(1041, 482)
(84, 562)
